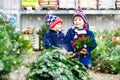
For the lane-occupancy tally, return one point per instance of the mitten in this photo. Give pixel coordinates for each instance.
(71, 54)
(83, 51)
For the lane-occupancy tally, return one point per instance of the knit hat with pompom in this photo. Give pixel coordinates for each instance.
(52, 20)
(80, 13)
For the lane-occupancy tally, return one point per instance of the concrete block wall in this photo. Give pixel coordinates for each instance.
(100, 22)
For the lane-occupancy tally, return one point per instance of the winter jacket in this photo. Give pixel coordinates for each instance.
(86, 60)
(52, 38)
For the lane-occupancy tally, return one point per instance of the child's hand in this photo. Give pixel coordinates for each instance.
(83, 51)
(71, 54)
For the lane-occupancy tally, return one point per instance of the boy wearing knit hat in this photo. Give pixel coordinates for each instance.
(54, 36)
(79, 29)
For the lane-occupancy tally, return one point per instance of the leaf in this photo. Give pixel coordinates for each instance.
(53, 63)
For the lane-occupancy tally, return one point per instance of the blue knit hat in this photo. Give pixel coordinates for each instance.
(52, 20)
(80, 13)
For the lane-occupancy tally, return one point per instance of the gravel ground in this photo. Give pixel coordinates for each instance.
(102, 76)
(22, 71)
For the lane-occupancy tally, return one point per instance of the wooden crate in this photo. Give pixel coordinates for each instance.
(48, 4)
(67, 4)
(87, 4)
(32, 35)
(92, 4)
(106, 4)
(83, 3)
(30, 4)
(35, 41)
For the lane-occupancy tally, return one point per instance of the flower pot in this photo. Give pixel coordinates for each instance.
(115, 39)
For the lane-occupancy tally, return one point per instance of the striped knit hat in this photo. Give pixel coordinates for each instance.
(52, 20)
(80, 13)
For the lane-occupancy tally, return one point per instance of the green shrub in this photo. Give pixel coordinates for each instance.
(106, 57)
(11, 45)
(51, 64)
(43, 30)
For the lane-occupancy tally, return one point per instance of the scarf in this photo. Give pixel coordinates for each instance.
(78, 32)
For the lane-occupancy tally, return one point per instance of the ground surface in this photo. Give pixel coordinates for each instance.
(102, 76)
(22, 71)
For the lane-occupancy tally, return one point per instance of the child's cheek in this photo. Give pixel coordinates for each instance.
(59, 29)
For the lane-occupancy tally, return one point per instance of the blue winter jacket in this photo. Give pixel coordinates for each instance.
(52, 38)
(86, 60)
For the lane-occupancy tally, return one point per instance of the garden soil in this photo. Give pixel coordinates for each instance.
(22, 71)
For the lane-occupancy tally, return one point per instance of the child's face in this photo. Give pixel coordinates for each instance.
(78, 22)
(58, 27)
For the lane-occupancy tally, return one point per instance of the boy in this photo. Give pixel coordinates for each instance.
(54, 36)
(80, 29)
